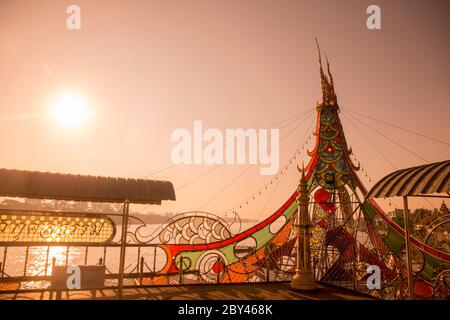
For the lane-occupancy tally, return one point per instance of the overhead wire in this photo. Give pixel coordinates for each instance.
(271, 180)
(370, 142)
(248, 168)
(376, 148)
(302, 116)
(390, 139)
(246, 149)
(400, 128)
(279, 181)
(197, 155)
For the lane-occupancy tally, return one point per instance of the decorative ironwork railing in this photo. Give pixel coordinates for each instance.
(32, 243)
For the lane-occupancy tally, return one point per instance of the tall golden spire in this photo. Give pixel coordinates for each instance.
(304, 276)
(328, 94)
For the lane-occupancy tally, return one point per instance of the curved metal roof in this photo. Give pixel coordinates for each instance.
(45, 185)
(426, 179)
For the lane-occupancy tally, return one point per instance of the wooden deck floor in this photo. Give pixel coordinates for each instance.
(247, 291)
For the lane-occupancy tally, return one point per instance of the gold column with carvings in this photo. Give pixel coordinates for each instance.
(304, 277)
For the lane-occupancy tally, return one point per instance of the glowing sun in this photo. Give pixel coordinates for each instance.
(70, 109)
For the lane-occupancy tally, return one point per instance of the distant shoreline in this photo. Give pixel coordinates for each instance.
(150, 218)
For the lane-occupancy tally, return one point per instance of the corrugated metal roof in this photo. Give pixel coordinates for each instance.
(426, 179)
(45, 185)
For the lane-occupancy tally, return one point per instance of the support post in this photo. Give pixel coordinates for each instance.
(154, 259)
(138, 260)
(104, 255)
(3, 265)
(46, 260)
(180, 281)
(123, 245)
(408, 248)
(25, 263)
(86, 255)
(218, 269)
(67, 255)
(141, 270)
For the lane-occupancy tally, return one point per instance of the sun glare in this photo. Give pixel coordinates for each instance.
(70, 110)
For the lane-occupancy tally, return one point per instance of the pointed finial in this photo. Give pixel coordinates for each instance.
(318, 50)
(322, 75)
(303, 196)
(329, 97)
(303, 185)
(328, 70)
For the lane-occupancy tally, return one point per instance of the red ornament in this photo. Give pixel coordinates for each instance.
(217, 267)
(323, 224)
(422, 289)
(322, 197)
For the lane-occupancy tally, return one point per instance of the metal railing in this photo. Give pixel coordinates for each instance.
(138, 270)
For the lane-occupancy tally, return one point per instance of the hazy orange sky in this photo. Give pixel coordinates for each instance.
(150, 67)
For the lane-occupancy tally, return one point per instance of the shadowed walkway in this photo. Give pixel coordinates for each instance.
(247, 291)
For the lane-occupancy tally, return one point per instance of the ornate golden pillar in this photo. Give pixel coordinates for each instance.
(304, 277)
